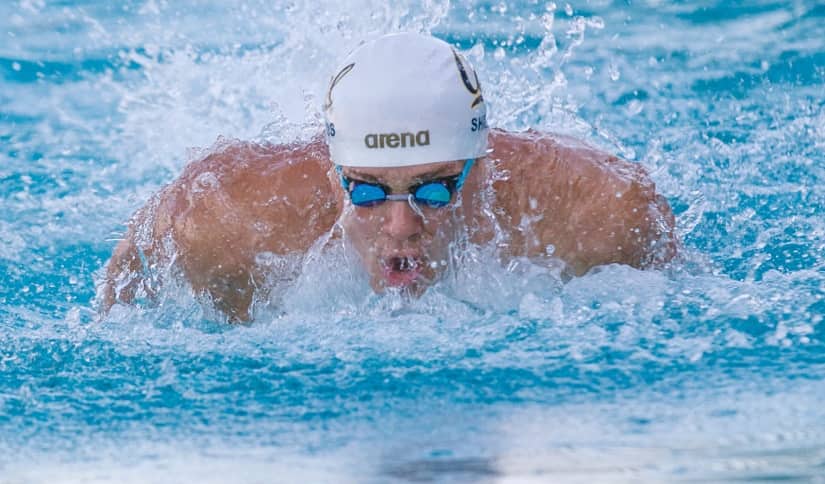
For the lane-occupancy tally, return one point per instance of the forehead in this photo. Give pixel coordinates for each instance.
(406, 173)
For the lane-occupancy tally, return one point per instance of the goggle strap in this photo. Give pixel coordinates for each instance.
(344, 181)
(466, 171)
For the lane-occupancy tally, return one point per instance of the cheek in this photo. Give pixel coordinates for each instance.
(440, 224)
(361, 227)
(363, 222)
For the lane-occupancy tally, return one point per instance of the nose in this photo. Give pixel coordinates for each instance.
(401, 222)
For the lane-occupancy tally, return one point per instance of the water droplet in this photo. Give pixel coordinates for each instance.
(16, 66)
(205, 181)
(476, 52)
(613, 72)
(547, 20)
(634, 107)
(595, 22)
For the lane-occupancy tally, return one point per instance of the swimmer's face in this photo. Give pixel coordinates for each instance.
(402, 245)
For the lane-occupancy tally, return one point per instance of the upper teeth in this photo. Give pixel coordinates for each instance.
(405, 263)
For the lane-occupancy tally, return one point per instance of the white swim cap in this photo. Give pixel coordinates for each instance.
(402, 100)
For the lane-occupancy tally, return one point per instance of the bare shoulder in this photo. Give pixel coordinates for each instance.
(239, 200)
(591, 207)
(248, 193)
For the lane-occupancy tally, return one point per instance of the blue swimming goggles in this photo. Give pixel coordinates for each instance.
(431, 193)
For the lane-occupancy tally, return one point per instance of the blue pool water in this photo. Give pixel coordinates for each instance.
(711, 371)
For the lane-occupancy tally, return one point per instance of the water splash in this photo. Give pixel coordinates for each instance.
(709, 359)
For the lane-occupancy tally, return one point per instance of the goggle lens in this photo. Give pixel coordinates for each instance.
(367, 194)
(434, 195)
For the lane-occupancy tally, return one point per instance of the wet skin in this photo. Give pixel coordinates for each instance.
(246, 199)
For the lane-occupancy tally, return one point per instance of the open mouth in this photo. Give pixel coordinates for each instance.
(401, 270)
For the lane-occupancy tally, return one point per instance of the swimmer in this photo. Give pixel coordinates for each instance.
(406, 166)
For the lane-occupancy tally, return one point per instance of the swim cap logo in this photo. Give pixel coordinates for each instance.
(475, 90)
(397, 140)
(335, 80)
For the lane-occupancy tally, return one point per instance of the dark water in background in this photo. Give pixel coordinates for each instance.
(712, 371)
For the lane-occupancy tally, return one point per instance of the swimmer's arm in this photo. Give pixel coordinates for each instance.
(200, 239)
(218, 216)
(262, 199)
(589, 207)
(619, 218)
(118, 285)
(133, 272)
(212, 239)
(128, 273)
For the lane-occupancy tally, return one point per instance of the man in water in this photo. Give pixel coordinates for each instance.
(408, 168)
